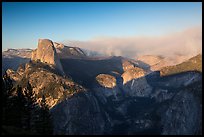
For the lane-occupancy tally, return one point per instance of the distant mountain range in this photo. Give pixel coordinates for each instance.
(193, 64)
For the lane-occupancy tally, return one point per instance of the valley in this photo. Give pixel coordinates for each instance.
(110, 94)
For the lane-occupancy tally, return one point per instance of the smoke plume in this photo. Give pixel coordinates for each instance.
(187, 42)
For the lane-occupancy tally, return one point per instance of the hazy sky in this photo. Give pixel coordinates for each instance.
(24, 23)
(187, 43)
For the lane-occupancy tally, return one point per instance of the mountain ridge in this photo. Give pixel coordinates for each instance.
(114, 94)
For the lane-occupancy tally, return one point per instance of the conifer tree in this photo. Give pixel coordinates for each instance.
(7, 101)
(44, 124)
(30, 106)
(15, 109)
(7, 85)
(20, 110)
(3, 101)
(7, 82)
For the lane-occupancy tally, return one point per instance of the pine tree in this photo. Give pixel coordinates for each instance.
(9, 103)
(29, 106)
(20, 105)
(20, 110)
(44, 124)
(15, 109)
(7, 83)
(4, 101)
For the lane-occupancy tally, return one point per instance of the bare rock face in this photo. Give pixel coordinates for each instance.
(127, 65)
(46, 53)
(45, 82)
(79, 115)
(58, 45)
(137, 87)
(67, 51)
(132, 73)
(106, 80)
(13, 75)
(184, 115)
(135, 83)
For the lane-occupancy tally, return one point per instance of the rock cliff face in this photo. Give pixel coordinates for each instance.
(68, 52)
(46, 53)
(107, 86)
(15, 76)
(135, 83)
(127, 65)
(107, 81)
(12, 58)
(137, 87)
(132, 73)
(46, 81)
(184, 114)
(157, 109)
(149, 104)
(185, 111)
(79, 115)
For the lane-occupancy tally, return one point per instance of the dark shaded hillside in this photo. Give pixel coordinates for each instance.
(177, 94)
(84, 71)
(174, 80)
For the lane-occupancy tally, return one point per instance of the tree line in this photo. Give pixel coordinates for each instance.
(21, 114)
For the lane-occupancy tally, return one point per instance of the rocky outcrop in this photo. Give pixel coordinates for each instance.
(178, 112)
(58, 45)
(45, 81)
(142, 105)
(12, 58)
(106, 80)
(184, 114)
(67, 51)
(137, 88)
(106, 86)
(46, 53)
(127, 65)
(15, 76)
(79, 115)
(132, 73)
(135, 83)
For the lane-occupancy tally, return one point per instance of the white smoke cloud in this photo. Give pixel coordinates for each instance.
(187, 42)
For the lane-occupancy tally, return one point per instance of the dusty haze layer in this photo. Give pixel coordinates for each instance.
(187, 42)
